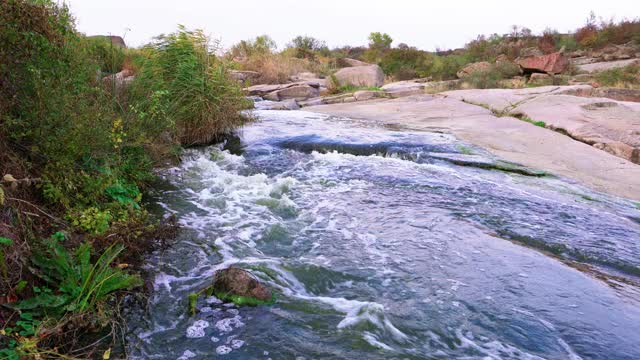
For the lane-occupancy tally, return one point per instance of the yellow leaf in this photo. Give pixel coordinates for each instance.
(107, 354)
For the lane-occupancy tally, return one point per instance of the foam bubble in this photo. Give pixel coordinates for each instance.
(197, 329)
(223, 350)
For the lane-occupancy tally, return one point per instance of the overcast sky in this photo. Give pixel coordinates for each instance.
(425, 24)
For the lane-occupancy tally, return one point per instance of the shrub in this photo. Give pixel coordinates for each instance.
(109, 58)
(307, 47)
(183, 78)
(484, 79)
(626, 77)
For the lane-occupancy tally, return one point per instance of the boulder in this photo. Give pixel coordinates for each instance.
(603, 66)
(290, 104)
(367, 76)
(347, 62)
(234, 282)
(473, 68)
(299, 92)
(551, 64)
(243, 75)
(264, 89)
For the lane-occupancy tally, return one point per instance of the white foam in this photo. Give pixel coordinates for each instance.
(223, 350)
(187, 354)
(197, 329)
(372, 340)
(228, 324)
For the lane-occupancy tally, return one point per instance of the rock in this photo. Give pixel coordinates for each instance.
(272, 96)
(580, 79)
(234, 281)
(367, 76)
(539, 79)
(263, 89)
(551, 64)
(603, 66)
(336, 99)
(482, 66)
(298, 92)
(121, 80)
(367, 95)
(243, 75)
(290, 104)
(312, 102)
(347, 62)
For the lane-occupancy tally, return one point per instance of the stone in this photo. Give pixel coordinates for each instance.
(290, 104)
(539, 79)
(603, 66)
(121, 79)
(440, 86)
(551, 64)
(243, 75)
(347, 62)
(312, 102)
(366, 76)
(264, 89)
(367, 95)
(239, 282)
(299, 92)
(477, 67)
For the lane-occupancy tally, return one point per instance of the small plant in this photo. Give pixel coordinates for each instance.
(79, 284)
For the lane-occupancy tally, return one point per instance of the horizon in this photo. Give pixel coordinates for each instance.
(447, 26)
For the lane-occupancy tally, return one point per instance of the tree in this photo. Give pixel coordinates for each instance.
(380, 41)
(306, 46)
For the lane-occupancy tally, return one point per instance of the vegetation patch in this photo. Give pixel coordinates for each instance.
(78, 150)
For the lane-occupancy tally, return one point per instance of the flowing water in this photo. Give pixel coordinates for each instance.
(388, 244)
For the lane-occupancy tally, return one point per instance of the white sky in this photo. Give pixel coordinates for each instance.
(424, 24)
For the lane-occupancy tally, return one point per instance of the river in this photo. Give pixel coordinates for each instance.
(386, 243)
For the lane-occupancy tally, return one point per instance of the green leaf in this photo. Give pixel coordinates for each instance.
(5, 241)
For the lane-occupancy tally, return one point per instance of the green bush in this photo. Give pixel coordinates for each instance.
(183, 90)
(109, 58)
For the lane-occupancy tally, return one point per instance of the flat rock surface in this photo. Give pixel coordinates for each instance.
(608, 65)
(506, 137)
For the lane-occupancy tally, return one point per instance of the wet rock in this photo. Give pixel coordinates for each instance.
(240, 286)
(368, 76)
(551, 64)
(473, 68)
(290, 104)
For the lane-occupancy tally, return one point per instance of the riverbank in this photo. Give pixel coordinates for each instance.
(510, 138)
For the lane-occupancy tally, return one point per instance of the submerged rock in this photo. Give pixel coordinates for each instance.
(239, 286)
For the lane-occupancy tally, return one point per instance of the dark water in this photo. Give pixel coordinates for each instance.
(384, 244)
